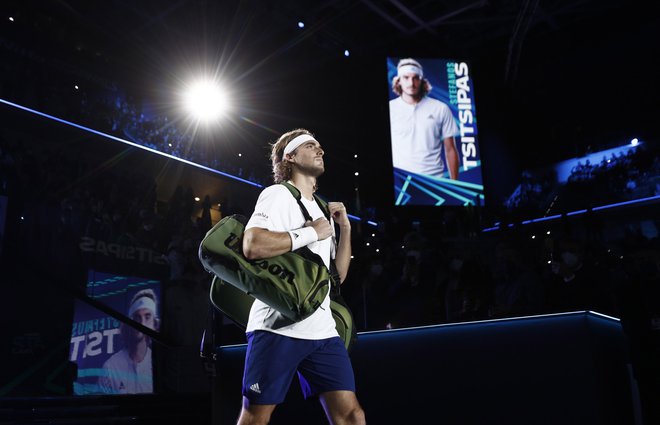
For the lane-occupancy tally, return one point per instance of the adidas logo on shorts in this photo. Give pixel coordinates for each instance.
(255, 388)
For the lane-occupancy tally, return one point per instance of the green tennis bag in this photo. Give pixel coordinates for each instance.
(231, 301)
(295, 283)
(236, 304)
(343, 321)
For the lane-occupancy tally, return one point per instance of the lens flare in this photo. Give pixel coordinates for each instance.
(206, 100)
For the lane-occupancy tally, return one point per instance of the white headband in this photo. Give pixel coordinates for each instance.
(410, 68)
(296, 142)
(142, 302)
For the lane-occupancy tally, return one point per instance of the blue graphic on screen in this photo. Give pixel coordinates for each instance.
(112, 357)
(428, 168)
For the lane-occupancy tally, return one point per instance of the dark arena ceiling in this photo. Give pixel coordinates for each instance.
(552, 78)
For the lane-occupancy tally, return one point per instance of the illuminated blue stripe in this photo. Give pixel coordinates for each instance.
(107, 281)
(452, 193)
(403, 190)
(475, 322)
(618, 204)
(576, 212)
(406, 197)
(457, 188)
(119, 291)
(479, 187)
(86, 389)
(602, 207)
(447, 186)
(536, 220)
(439, 198)
(92, 371)
(358, 219)
(119, 139)
(605, 315)
(444, 190)
(122, 374)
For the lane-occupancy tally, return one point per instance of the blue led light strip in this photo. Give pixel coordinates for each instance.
(602, 207)
(118, 139)
(470, 323)
(451, 191)
(440, 200)
(403, 190)
(167, 155)
(619, 204)
(455, 182)
(455, 188)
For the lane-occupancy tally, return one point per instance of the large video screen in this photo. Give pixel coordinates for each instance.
(112, 357)
(433, 125)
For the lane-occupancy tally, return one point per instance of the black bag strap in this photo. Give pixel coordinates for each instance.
(207, 345)
(336, 285)
(320, 202)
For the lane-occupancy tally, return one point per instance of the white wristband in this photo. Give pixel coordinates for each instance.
(302, 237)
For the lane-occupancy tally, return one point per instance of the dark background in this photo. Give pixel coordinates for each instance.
(553, 80)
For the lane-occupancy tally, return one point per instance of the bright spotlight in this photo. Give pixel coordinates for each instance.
(634, 141)
(301, 24)
(347, 53)
(206, 100)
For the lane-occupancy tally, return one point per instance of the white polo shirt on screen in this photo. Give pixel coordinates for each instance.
(123, 375)
(418, 132)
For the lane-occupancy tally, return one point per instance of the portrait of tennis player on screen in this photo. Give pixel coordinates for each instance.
(114, 357)
(435, 154)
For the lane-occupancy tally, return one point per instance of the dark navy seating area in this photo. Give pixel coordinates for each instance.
(569, 368)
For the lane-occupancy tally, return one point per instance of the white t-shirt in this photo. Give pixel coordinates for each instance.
(278, 211)
(122, 375)
(418, 132)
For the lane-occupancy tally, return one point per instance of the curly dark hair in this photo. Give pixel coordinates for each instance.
(281, 168)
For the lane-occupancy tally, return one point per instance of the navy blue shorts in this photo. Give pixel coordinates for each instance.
(271, 361)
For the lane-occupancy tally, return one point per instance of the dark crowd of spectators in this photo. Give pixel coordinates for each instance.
(404, 274)
(103, 106)
(420, 277)
(413, 274)
(120, 115)
(533, 192)
(620, 177)
(616, 178)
